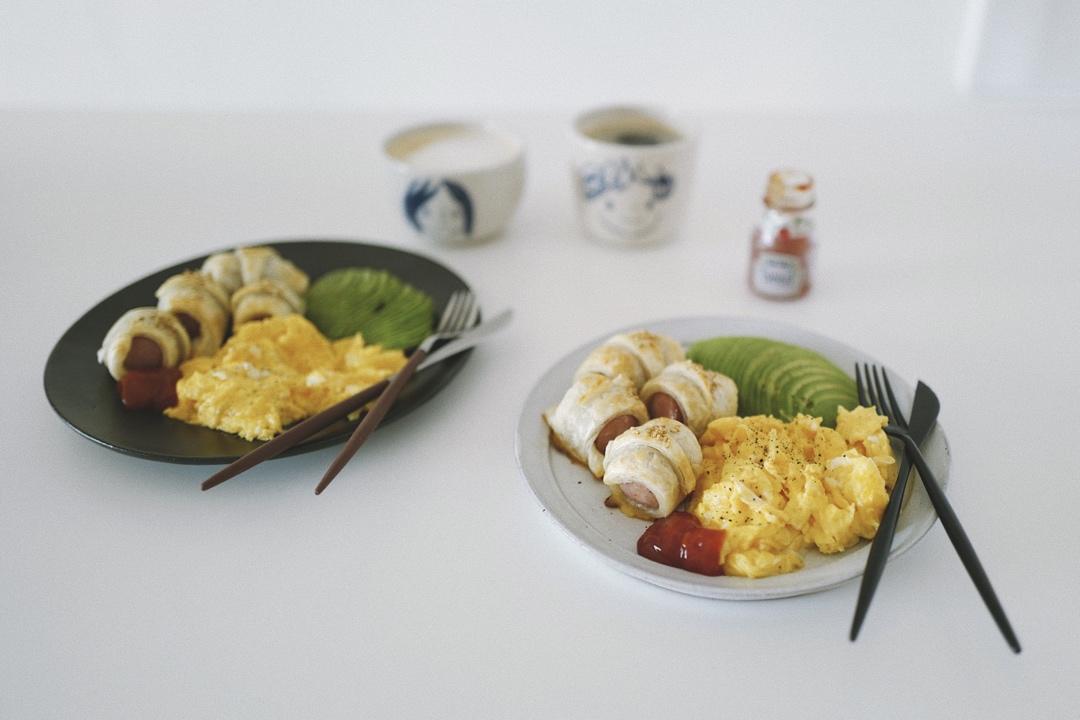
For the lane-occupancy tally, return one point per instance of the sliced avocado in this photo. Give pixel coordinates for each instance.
(778, 378)
(787, 369)
(386, 310)
(817, 394)
(784, 376)
(732, 354)
(756, 374)
(726, 350)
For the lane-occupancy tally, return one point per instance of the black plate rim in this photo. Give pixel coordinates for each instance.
(448, 368)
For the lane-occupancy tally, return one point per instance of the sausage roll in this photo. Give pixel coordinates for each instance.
(263, 299)
(687, 392)
(201, 305)
(142, 339)
(652, 468)
(247, 265)
(264, 263)
(225, 268)
(638, 355)
(593, 411)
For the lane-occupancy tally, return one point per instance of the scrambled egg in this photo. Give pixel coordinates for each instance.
(777, 487)
(274, 372)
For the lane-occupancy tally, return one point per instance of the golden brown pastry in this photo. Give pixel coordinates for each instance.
(142, 339)
(264, 299)
(593, 411)
(652, 468)
(201, 305)
(687, 392)
(248, 265)
(264, 263)
(225, 268)
(639, 355)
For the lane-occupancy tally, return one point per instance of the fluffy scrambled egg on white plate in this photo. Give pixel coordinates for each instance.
(776, 488)
(274, 372)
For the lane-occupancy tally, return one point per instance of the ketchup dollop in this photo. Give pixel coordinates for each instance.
(149, 389)
(679, 540)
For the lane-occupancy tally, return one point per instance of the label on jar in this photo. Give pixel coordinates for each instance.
(778, 275)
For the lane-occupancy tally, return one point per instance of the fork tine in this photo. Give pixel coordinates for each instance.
(446, 312)
(449, 311)
(452, 309)
(882, 401)
(464, 300)
(898, 417)
(860, 388)
(472, 315)
(879, 398)
(464, 310)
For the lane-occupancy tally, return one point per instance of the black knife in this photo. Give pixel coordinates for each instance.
(958, 537)
(924, 412)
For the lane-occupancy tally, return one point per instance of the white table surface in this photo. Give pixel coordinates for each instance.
(427, 582)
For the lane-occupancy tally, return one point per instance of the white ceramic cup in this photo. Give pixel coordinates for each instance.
(456, 182)
(632, 170)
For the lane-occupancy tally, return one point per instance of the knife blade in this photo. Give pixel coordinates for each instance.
(924, 412)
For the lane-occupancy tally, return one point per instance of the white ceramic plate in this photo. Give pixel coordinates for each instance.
(575, 500)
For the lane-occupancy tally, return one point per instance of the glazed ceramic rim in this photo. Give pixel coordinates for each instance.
(403, 164)
(686, 131)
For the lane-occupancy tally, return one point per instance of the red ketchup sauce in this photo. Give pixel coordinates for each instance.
(149, 389)
(679, 540)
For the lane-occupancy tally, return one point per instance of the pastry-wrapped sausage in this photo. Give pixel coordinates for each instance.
(264, 263)
(225, 268)
(594, 411)
(143, 339)
(263, 299)
(638, 355)
(201, 305)
(652, 468)
(248, 265)
(687, 392)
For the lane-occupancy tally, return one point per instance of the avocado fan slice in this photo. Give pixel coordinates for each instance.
(386, 310)
(776, 378)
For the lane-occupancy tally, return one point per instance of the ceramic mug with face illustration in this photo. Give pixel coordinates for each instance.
(456, 182)
(632, 170)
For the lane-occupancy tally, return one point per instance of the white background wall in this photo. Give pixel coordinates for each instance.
(554, 54)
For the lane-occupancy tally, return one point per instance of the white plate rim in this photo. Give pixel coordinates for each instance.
(541, 468)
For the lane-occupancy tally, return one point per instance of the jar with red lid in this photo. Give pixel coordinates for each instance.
(783, 242)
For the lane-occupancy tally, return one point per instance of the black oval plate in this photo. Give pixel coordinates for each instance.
(84, 394)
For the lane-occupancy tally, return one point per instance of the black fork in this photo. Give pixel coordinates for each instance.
(872, 396)
(886, 403)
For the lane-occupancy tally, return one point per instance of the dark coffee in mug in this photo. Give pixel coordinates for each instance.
(634, 131)
(632, 167)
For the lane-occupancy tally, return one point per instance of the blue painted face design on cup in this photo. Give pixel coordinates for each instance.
(627, 199)
(439, 209)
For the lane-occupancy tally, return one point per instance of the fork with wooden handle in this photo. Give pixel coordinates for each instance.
(460, 314)
(316, 423)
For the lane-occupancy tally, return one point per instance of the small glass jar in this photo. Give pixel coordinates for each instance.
(783, 242)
